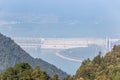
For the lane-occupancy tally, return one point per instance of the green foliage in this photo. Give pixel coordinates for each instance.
(55, 77)
(23, 71)
(116, 76)
(11, 54)
(97, 59)
(100, 68)
(21, 67)
(69, 78)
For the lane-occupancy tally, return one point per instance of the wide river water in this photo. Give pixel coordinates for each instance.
(69, 66)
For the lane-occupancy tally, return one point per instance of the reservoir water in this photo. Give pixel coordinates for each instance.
(68, 65)
(50, 56)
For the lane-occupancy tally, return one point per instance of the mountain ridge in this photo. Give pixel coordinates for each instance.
(101, 67)
(11, 53)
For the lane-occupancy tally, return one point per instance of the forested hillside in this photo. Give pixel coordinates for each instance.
(11, 53)
(100, 68)
(23, 71)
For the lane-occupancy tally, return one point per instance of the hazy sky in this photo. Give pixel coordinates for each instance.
(60, 18)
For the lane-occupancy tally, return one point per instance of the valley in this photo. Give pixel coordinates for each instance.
(61, 51)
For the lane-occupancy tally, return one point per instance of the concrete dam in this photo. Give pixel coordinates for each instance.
(62, 43)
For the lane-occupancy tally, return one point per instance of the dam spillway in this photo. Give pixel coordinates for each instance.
(62, 43)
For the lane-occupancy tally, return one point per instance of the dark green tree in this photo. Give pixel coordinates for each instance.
(55, 77)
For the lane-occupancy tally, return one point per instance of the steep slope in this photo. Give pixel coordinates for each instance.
(100, 68)
(11, 53)
(23, 71)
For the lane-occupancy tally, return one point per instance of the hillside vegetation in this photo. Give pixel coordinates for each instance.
(23, 71)
(11, 53)
(100, 68)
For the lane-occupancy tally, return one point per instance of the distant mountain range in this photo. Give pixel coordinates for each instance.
(11, 53)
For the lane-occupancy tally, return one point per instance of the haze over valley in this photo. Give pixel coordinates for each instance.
(66, 50)
(62, 37)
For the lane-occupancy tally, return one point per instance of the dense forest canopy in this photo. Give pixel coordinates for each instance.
(23, 71)
(100, 68)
